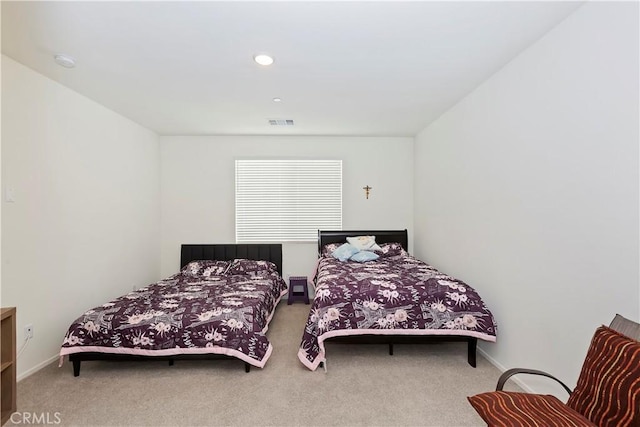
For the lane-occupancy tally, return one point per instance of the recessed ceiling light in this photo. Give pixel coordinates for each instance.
(263, 59)
(277, 99)
(65, 61)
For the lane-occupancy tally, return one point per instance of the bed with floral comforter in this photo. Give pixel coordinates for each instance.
(210, 307)
(396, 294)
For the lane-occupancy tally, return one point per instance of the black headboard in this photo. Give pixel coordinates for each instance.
(266, 252)
(382, 236)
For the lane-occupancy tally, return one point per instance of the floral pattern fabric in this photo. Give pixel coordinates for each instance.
(394, 295)
(251, 267)
(206, 268)
(184, 314)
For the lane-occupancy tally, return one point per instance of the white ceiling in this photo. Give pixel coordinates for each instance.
(342, 68)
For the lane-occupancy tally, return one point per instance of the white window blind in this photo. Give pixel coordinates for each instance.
(287, 200)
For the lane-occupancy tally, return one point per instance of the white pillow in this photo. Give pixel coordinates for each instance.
(364, 243)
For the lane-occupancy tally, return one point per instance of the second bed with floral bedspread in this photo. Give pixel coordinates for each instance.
(396, 294)
(210, 307)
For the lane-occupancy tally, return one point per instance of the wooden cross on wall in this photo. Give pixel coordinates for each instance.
(366, 190)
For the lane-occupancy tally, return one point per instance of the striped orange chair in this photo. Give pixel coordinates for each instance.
(607, 393)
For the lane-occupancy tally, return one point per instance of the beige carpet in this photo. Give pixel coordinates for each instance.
(421, 385)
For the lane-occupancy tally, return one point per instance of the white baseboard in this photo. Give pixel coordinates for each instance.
(36, 368)
(501, 368)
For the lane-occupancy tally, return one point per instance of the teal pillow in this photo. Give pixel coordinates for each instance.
(344, 252)
(364, 256)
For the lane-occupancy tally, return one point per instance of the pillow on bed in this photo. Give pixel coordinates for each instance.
(364, 256)
(391, 249)
(329, 249)
(205, 268)
(364, 243)
(345, 251)
(250, 267)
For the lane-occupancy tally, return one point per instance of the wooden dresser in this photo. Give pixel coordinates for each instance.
(8, 360)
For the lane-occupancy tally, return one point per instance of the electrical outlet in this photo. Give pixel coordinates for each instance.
(28, 332)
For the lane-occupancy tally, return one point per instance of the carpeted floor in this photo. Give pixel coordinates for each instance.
(421, 385)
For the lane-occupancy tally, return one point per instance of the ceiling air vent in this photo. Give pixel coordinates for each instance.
(281, 122)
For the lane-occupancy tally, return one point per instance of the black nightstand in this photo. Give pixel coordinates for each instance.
(298, 290)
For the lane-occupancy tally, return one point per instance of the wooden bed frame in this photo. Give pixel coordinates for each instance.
(188, 253)
(390, 236)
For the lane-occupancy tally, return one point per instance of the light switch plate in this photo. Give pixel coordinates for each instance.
(9, 195)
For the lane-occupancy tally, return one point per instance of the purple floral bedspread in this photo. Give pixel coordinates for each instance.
(395, 295)
(184, 314)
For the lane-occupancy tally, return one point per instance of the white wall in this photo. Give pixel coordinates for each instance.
(198, 199)
(1, 166)
(84, 227)
(528, 190)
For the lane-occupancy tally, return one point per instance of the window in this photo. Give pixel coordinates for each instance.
(287, 200)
